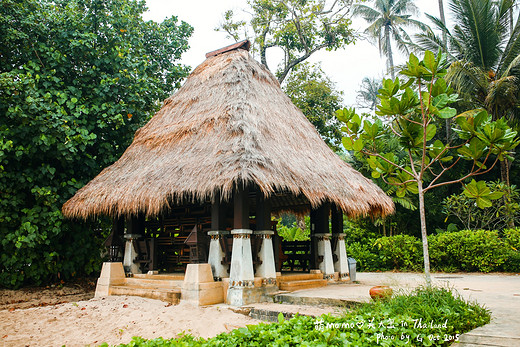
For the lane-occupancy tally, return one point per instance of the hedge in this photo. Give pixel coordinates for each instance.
(466, 250)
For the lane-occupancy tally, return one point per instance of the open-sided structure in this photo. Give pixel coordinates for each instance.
(201, 180)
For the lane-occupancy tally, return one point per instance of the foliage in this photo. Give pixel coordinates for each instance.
(316, 96)
(484, 52)
(413, 115)
(77, 79)
(293, 233)
(400, 252)
(396, 318)
(298, 28)
(466, 250)
(474, 210)
(387, 19)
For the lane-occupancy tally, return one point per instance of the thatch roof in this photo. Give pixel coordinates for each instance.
(229, 123)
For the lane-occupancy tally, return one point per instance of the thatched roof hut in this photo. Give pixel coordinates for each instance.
(230, 123)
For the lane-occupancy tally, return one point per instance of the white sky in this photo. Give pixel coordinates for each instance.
(346, 67)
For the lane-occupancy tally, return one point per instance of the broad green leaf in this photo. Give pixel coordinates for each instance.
(431, 130)
(358, 145)
(429, 61)
(447, 112)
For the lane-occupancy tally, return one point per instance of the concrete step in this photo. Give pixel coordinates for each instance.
(302, 284)
(175, 277)
(470, 339)
(153, 282)
(300, 277)
(294, 299)
(171, 295)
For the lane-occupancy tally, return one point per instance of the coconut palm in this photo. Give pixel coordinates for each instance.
(368, 92)
(484, 55)
(387, 19)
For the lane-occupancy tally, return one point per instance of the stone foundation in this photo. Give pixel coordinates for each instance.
(199, 287)
(112, 274)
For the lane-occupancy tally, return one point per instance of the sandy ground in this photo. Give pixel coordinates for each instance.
(114, 320)
(71, 316)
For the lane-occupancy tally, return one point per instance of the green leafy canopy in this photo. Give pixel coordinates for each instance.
(77, 79)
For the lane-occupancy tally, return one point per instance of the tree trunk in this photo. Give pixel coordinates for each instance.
(443, 20)
(390, 55)
(424, 236)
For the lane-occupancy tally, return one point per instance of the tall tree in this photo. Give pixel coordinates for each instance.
(314, 93)
(299, 28)
(413, 111)
(77, 79)
(388, 20)
(484, 55)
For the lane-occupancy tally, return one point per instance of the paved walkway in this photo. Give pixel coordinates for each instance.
(498, 292)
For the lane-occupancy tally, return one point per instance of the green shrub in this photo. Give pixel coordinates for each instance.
(400, 252)
(512, 237)
(468, 250)
(396, 319)
(367, 256)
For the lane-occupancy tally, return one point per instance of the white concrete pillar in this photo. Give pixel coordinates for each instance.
(325, 250)
(130, 255)
(216, 255)
(341, 263)
(267, 269)
(241, 274)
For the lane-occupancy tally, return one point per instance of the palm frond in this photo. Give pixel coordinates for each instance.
(468, 79)
(365, 12)
(477, 30)
(406, 202)
(511, 51)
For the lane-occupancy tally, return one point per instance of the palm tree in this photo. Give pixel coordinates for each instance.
(387, 19)
(484, 55)
(368, 92)
(484, 50)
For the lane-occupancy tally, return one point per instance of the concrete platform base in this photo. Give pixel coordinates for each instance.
(111, 274)
(172, 295)
(249, 295)
(199, 287)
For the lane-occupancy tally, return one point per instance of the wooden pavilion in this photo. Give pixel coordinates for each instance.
(201, 180)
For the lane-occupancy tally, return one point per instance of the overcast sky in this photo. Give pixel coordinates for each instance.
(345, 67)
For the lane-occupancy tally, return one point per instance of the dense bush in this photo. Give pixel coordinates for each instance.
(394, 322)
(467, 250)
(77, 79)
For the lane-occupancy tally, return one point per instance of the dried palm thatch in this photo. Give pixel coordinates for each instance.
(230, 123)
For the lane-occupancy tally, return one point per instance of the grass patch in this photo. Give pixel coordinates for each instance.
(424, 317)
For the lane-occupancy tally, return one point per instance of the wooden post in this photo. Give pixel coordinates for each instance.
(336, 224)
(263, 212)
(241, 208)
(217, 220)
(336, 219)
